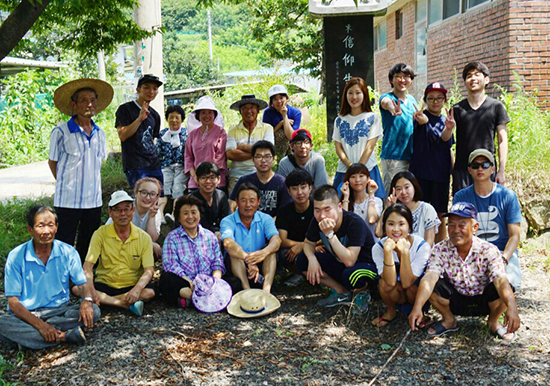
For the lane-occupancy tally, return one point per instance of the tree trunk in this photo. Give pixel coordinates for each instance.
(18, 23)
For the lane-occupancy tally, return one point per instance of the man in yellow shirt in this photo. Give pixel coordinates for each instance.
(125, 253)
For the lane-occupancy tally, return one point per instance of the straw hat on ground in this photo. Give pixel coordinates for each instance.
(252, 303)
(62, 96)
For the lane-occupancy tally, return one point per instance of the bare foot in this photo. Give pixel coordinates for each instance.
(385, 319)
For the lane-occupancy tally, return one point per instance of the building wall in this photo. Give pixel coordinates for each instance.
(396, 51)
(529, 46)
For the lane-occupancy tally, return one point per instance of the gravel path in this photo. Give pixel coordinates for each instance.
(298, 345)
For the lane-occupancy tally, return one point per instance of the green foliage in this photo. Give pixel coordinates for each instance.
(86, 26)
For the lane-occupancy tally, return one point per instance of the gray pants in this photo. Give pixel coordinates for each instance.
(65, 317)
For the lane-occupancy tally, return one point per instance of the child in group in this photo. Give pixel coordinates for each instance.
(171, 147)
(405, 189)
(358, 196)
(356, 131)
(400, 259)
(432, 156)
(397, 108)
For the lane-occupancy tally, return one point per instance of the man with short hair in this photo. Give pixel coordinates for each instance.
(477, 118)
(397, 109)
(346, 264)
(293, 221)
(465, 276)
(303, 158)
(137, 125)
(242, 136)
(273, 193)
(215, 205)
(499, 212)
(36, 284)
(125, 254)
(77, 148)
(251, 240)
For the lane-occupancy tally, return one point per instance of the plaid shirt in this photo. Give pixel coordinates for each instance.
(471, 275)
(187, 257)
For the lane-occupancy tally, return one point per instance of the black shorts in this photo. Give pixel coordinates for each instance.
(102, 287)
(435, 193)
(467, 305)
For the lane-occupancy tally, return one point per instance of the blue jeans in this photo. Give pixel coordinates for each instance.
(65, 317)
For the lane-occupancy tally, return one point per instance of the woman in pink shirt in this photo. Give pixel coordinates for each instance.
(206, 140)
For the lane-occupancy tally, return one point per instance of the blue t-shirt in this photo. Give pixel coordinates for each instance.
(398, 130)
(353, 232)
(38, 285)
(495, 212)
(431, 157)
(262, 229)
(273, 117)
(273, 195)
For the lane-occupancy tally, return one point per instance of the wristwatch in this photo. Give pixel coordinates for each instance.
(88, 299)
(330, 235)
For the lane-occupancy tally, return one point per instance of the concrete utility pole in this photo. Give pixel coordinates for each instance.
(148, 52)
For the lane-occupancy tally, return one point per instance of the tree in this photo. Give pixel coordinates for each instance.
(86, 26)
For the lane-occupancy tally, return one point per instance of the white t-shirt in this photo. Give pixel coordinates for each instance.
(361, 210)
(424, 218)
(353, 133)
(419, 255)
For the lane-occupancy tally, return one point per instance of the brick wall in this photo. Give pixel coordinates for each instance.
(479, 34)
(396, 51)
(529, 46)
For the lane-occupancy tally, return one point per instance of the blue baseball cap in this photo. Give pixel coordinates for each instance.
(463, 209)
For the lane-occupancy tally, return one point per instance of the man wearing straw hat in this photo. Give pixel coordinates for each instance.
(77, 148)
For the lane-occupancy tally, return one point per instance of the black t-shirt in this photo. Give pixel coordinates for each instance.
(296, 224)
(352, 233)
(476, 128)
(211, 216)
(273, 195)
(139, 151)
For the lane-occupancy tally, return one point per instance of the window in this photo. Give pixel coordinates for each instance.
(380, 36)
(421, 10)
(442, 9)
(473, 3)
(398, 24)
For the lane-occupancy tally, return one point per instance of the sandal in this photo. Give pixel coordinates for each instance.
(440, 329)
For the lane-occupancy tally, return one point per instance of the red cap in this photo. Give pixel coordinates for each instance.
(300, 135)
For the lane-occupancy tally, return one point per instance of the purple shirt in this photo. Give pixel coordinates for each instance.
(188, 257)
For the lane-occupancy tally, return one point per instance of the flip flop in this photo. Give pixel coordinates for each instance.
(440, 329)
(387, 321)
(501, 331)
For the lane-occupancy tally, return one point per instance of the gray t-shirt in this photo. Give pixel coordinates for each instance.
(315, 166)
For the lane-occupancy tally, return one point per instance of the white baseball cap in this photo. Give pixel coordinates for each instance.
(277, 89)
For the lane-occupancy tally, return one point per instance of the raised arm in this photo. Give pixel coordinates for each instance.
(125, 132)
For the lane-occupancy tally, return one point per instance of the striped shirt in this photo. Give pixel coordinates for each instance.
(78, 156)
(187, 257)
(239, 135)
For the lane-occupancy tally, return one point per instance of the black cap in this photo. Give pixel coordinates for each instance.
(149, 78)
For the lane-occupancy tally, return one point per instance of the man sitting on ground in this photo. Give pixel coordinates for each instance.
(251, 240)
(293, 221)
(466, 276)
(125, 253)
(303, 158)
(36, 283)
(347, 262)
(215, 205)
(498, 210)
(273, 193)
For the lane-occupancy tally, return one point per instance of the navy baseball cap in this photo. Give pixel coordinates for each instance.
(149, 78)
(463, 209)
(435, 86)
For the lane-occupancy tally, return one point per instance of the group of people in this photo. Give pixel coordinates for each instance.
(370, 231)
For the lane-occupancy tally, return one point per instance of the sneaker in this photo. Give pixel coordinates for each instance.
(169, 220)
(335, 299)
(295, 281)
(76, 336)
(137, 308)
(361, 303)
(183, 303)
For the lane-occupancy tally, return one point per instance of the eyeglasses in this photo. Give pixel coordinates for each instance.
(211, 177)
(300, 143)
(484, 165)
(145, 194)
(438, 99)
(267, 157)
(122, 210)
(402, 77)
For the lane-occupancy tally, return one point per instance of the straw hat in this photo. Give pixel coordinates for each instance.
(62, 96)
(252, 303)
(248, 99)
(204, 103)
(210, 294)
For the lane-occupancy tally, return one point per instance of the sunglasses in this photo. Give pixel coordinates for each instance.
(484, 165)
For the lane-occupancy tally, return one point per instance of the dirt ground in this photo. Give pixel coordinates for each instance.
(300, 344)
